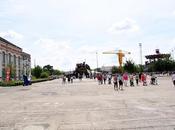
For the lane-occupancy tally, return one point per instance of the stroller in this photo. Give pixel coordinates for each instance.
(153, 80)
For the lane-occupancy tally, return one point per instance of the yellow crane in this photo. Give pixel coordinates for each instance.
(120, 54)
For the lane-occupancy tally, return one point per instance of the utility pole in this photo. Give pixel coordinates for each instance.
(97, 58)
(141, 61)
(34, 63)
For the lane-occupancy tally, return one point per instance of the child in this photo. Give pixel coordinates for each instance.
(137, 79)
(131, 80)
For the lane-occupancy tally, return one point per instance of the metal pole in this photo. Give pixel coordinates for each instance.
(34, 63)
(97, 59)
(141, 61)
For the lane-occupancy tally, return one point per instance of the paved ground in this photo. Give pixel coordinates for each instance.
(86, 105)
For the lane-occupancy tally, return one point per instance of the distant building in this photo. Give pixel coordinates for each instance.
(12, 56)
(106, 69)
(157, 56)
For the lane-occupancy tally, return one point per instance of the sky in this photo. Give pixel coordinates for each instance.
(65, 32)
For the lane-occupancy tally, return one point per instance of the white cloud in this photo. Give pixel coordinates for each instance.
(56, 53)
(64, 55)
(127, 25)
(12, 35)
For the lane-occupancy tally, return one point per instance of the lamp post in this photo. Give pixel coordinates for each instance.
(141, 61)
(97, 58)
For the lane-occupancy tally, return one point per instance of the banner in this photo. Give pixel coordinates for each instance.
(7, 74)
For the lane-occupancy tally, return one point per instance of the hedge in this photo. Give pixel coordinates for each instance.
(18, 83)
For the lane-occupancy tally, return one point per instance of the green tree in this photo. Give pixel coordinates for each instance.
(49, 69)
(37, 71)
(44, 75)
(57, 72)
(162, 65)
(130, 66)
(115, 70)
(139, 68)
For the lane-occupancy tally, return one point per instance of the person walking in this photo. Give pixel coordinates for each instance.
(137, 79)
(120, 79)
(144, 79)
(64, 79)
(104, 78)
(131, 78)
(115, 81)
(125, 79)
(109, 78)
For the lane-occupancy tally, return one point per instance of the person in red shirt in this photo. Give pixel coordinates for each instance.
(143, 78)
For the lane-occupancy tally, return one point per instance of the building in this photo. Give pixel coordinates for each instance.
(13, 59)
(107, 69)
(157, 56)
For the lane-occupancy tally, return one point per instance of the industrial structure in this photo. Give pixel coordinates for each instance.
(156, 56)
(14, 63)
(120, 54)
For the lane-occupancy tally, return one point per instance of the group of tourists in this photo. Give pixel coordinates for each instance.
(67, 79)
(103, 78)
(120, 80)
(125, 79)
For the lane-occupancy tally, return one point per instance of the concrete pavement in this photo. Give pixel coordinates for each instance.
(88, 106)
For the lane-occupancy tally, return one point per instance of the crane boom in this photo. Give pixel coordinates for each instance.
(120, 54)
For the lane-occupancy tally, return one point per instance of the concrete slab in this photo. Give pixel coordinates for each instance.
(87, 105)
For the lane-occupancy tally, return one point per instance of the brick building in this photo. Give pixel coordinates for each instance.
(12, 56)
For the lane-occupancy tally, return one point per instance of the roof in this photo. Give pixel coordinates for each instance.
(157, 56)
(4, 40)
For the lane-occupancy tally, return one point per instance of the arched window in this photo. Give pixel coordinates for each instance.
(3, 57)
(10, 58)
(14, 60)
(18, 60)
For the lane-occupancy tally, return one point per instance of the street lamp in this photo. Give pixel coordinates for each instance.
(140, 45)
(97, 58)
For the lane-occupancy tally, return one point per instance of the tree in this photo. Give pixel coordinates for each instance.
(139, 68)
(130, 66)
(37, 71)
(49, 69)
(162, 65)
(44, 75)
(115, 70)
(57, 72)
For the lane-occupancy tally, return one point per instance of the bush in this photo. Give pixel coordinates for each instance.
(18, 83)
(11, 83)
(44, 75)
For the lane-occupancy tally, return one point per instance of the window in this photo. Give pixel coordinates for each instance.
(18, 61)
(10, 58)
(14, 60)
(3, 57)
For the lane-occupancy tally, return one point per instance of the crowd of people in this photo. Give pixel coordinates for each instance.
(68, 79)
(125, 79)
(121, 80)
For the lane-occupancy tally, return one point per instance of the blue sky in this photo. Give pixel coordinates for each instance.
(64, 32)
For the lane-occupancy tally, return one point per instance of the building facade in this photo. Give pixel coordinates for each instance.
(13, 57)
